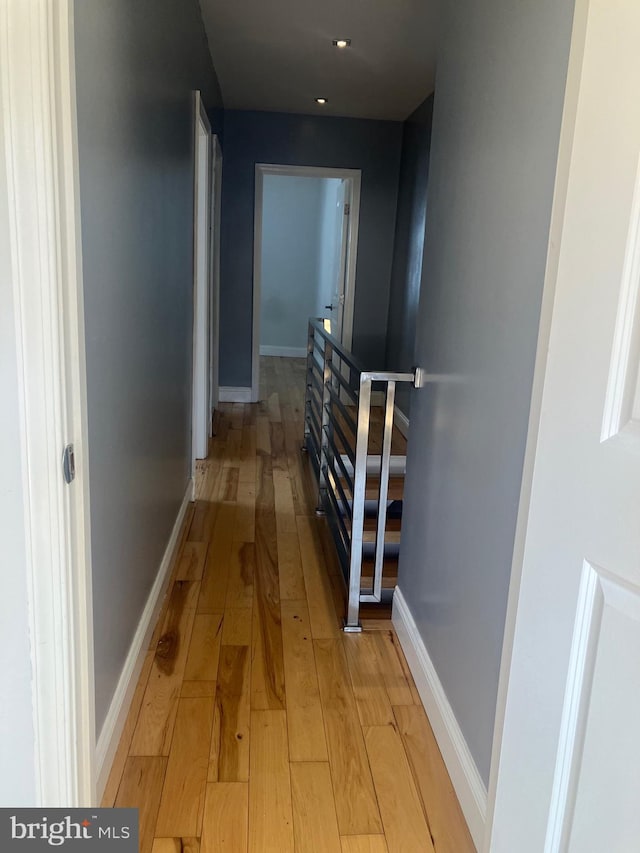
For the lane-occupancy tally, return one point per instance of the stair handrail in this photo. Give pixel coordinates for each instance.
(337, 381)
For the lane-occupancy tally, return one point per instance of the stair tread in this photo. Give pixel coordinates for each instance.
(390, 563)
(387, 582)
(372, 489)
(391, 537)
(393, 524)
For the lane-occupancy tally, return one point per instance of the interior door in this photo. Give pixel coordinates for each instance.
(568, 777)
(201, 405)
(337, 244)
(216, 206)
(343, 215)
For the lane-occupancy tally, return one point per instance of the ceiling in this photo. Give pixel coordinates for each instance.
(277, 55)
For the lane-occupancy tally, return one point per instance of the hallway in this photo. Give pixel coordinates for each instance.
(256, 723)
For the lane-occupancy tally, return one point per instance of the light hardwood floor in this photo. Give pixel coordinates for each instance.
(257, 725)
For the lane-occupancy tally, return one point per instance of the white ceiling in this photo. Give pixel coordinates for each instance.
(277, 55)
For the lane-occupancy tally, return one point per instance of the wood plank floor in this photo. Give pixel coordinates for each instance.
(257, 725)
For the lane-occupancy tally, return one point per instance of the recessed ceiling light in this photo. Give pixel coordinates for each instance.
(321, 100)
(341, 43)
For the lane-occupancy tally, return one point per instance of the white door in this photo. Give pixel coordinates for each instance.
(216, 206)
(334, 309)
(568, 778)
(201, 415)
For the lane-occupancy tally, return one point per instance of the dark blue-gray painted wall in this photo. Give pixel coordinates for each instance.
(279, 138)
(136, 66)
(409, 245)
(496, 126)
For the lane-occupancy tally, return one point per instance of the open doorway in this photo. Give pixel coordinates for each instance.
(306, 230)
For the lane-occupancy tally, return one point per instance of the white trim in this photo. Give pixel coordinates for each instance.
(284, 352)
(401, 421)
(37, 74)
(464, 774)
(229, 394)
(354, 177)
(119, 708)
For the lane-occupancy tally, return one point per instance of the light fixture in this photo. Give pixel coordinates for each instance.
(341, 43)
(321, 100)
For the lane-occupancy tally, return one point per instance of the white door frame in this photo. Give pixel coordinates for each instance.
(37, 71)
(202, 286)
(354, 178)
(216, 209)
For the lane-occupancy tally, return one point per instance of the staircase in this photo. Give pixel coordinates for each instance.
(359, 458)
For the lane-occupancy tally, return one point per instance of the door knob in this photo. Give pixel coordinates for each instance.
(329, 307)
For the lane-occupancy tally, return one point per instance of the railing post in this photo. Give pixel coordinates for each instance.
(352, 622)
(324, 426)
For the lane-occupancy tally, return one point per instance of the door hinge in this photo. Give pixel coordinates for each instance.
(69, 464)
(347, 208)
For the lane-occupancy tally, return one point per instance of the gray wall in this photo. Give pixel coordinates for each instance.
(17, 759)
(137, 64)
(499, 94)
(256, 137)
(291, 232)
(408, 249)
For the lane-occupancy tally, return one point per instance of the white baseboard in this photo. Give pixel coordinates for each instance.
(464, 774)
(119, 708)
(284, 352)
(401, 421)
(229, 394)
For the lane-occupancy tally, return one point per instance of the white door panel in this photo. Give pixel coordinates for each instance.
(569, 773)
(216, 209)
(201, 386)
(606, 748)
(332, 301)
(344, 205)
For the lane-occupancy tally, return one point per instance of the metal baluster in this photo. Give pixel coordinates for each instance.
(308, 392)
(352, 622)
(324, 438)
(384, 488)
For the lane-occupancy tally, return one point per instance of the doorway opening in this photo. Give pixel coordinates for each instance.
(305, 246)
